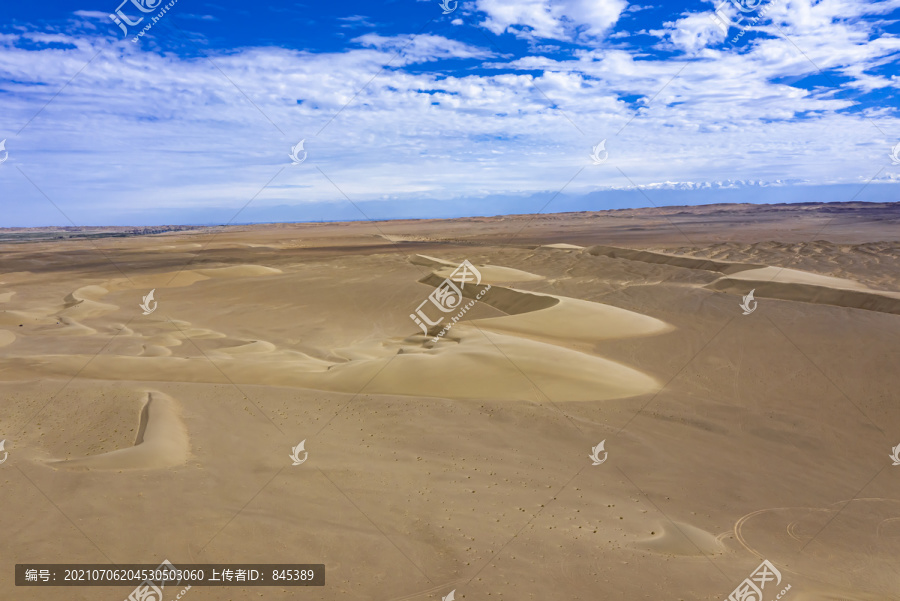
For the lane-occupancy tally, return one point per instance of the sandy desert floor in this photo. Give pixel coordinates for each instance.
(462, 464)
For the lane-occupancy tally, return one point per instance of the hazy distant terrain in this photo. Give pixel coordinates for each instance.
(41, 234)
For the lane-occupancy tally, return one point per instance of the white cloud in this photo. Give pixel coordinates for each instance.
(354, 21)
(806, 23)
(421, 48)
(91, 14)
(692, 33)
(140, 129)
(554, 19)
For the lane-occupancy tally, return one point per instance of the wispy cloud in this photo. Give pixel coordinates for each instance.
(356, 21)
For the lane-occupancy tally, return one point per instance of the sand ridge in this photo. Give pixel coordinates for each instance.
(162, 441)
(678, 538)
(771, 281)
(531, 338)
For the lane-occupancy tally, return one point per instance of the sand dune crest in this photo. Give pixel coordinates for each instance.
(882, 302)
(647, 256)
(162, 441)
(490, 274)
(770, 281)
(681, 539)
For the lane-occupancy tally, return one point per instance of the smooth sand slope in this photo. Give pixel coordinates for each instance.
(533, 336)
(162, 441)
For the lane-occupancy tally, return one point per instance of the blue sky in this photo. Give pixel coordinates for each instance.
(408, 112)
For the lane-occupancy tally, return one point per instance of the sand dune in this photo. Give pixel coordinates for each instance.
(490, 274)
(493, 364)
(495, 274)
(558, 374)
(239, 271)
(508, 300)
(770, 281)
(678, 538)
(558, 317)
(153, 350)
(162, 441)
(531, 340)
(16, 317)
(83, 303)
(255, 347)
(187, 277)
(666, 259)
(91, 292)
(883, 302)
(190, 245)
(563, 246)
(780, 275)
(71, 327)
(575, 319)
